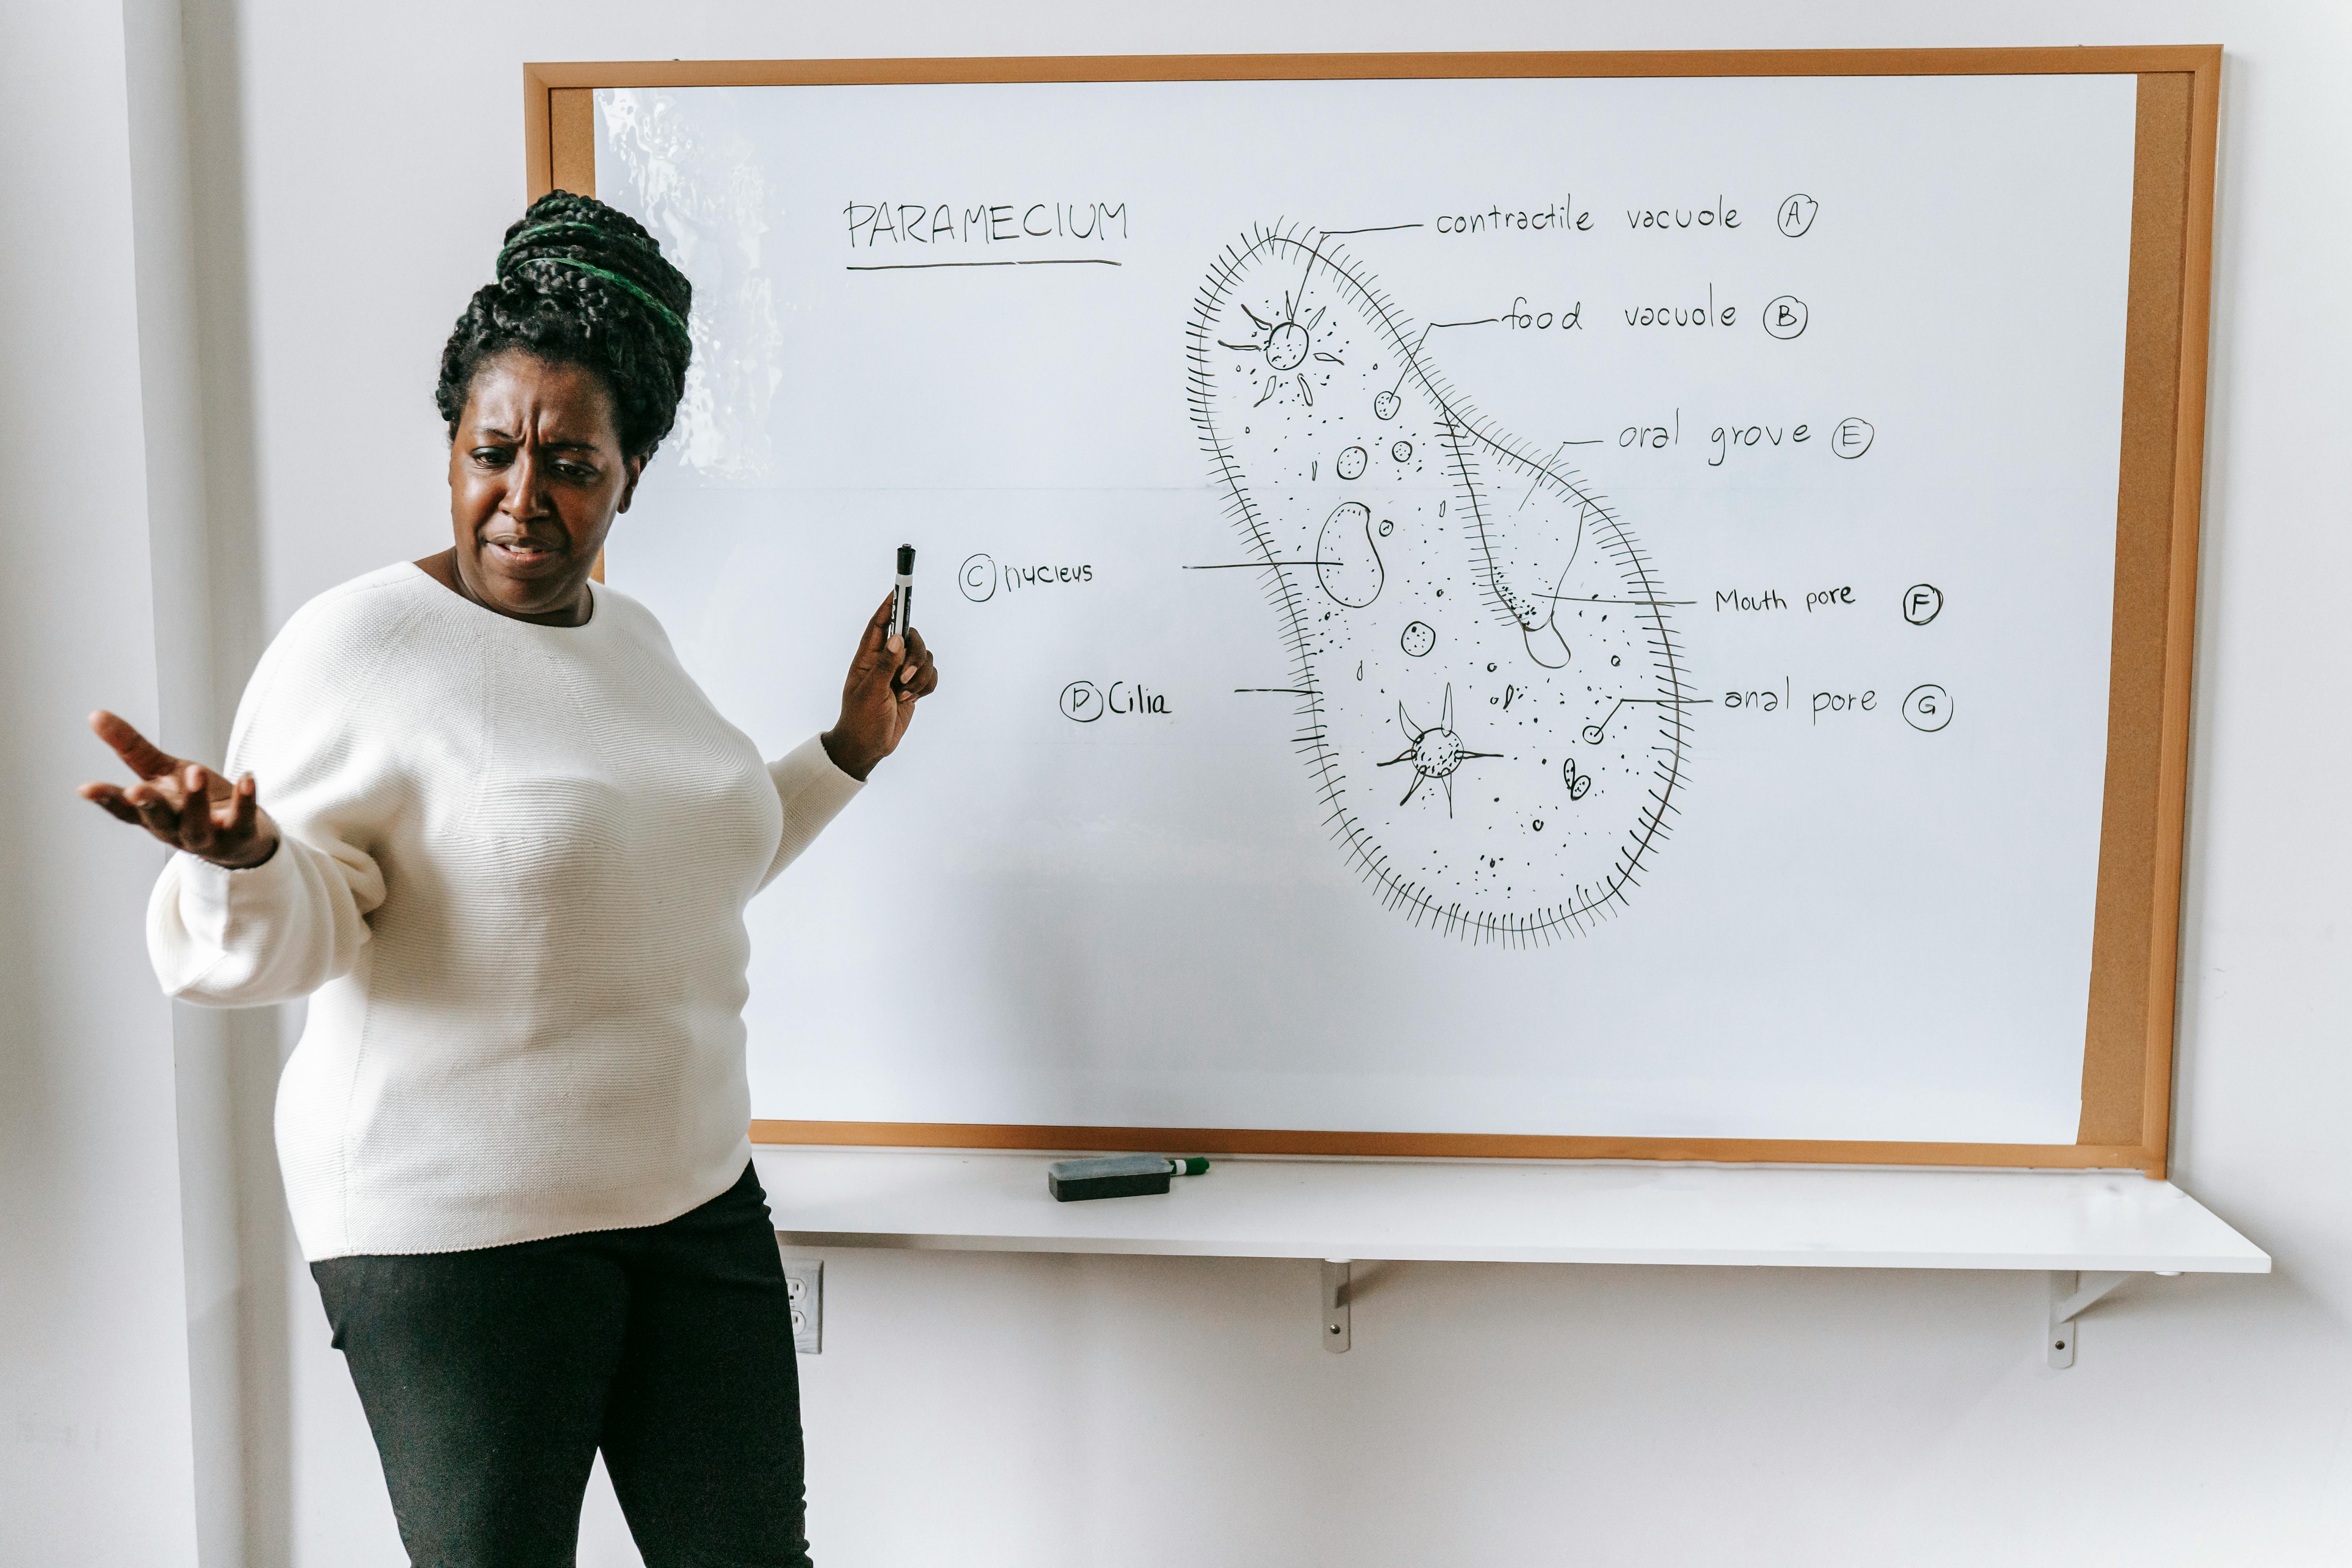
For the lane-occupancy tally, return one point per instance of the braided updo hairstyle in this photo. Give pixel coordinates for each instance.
(581, 283)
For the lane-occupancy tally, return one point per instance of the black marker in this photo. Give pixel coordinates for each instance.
(902, 598)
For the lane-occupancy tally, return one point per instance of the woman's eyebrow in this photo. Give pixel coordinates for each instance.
(494, 433)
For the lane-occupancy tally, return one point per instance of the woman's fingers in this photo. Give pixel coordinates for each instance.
(190, 808)
(141, 805)
(214, 789)
(199, 829)
(248, 808)
(876, 660)
(157, 801)
(222, 821)
(919, 675)
(873, 644)
(158, 815)
(110, 799)
(139, 754)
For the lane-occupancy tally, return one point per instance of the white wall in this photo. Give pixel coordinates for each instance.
(101, 1351)
(355, 165)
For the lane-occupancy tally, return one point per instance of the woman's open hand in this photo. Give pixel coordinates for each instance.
(185, 804)
(886, 677)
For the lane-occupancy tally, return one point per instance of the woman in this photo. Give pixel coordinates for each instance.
(481, 812)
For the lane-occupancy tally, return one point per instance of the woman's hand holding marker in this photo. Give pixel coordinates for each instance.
(889, 676)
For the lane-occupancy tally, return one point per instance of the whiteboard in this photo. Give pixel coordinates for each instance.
(1519, 607)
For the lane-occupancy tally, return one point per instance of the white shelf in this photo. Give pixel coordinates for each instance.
(1486, 1211)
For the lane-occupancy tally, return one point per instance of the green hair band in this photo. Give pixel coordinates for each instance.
(550, 228)
(593, 270)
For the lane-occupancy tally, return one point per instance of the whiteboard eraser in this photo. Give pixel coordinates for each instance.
(1116, 1175)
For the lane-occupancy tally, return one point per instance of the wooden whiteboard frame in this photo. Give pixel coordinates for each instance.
(2128, 1041)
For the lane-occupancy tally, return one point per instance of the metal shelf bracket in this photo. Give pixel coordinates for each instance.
(1337, 1329)
(2070, 1293)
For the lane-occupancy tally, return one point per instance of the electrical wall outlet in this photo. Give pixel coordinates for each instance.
(805, 1286)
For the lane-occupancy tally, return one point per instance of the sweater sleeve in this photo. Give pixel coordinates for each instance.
(813, 790)
(283, 929)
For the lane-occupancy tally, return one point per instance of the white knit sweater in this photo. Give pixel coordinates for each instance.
(513, 866)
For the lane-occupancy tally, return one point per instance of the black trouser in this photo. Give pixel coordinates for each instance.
(493, 1377)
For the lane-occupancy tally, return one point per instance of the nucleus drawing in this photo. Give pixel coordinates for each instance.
(1425, 565)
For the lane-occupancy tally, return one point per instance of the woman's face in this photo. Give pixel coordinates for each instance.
(536, 477)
